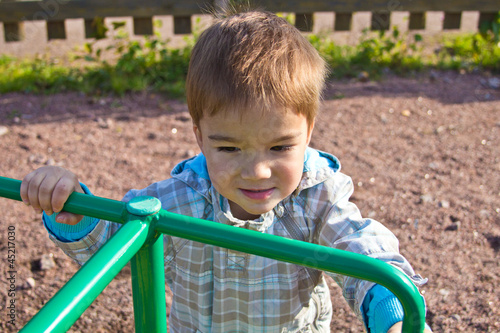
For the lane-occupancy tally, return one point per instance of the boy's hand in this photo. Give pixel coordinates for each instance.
(397, 327)
(47, 189)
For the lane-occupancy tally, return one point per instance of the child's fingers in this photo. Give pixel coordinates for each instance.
(33, 190)
(62, 190)
(46, 192)
(24, 188)
(68, 218)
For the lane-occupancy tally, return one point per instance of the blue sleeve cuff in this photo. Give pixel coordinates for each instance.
(66, 232)
(381, 309)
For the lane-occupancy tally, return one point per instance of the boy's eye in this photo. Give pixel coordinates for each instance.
(281, 148)
(227, 149)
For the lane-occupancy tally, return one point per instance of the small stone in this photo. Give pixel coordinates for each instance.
(47, 262)
(453, 227)
(3, 130)
(440, 129)
(104, 123)
(36, 158)
(456, 317)
(188, 153)
(363, 76)
(426, 198)
(50, 161)
(406, 113)
(183, 118)
(30, 283)
(484, 213)
(444, 292)
(444, 204)
(433, 76)
(29, 310)
(494, 83)
(433, 165)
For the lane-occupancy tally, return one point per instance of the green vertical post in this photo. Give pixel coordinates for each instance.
(148, 272)
(83, 288)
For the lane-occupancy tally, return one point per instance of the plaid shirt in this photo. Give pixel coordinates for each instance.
(220, 290)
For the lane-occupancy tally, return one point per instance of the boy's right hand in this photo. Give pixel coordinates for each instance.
(48, 188)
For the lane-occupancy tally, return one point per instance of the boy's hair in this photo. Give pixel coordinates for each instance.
(254, 59)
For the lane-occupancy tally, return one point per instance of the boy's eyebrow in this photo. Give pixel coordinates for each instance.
(220, 137)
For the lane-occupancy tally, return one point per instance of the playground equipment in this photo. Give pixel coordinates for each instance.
(140, 241)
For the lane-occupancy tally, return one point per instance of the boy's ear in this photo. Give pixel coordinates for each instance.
(197, 134)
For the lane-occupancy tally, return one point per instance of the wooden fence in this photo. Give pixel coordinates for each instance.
(14, 14)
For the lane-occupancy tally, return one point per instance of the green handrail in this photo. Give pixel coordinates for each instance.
(147, 264)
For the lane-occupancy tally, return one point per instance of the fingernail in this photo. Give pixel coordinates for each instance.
(26, 202)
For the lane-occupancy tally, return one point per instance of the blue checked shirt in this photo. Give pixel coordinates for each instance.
(220, 290)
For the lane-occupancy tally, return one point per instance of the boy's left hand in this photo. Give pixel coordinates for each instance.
(397, 327)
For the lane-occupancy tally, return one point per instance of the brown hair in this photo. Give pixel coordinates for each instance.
(254, 59)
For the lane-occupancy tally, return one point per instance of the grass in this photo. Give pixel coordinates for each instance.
(153, 65)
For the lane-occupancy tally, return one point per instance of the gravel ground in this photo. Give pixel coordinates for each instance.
(424, 153)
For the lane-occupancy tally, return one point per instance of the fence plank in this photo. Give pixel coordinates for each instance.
(381, 21)
(304, 21)
(452, 21)
(417, 21)
(13, 32)
(182, 25)
(304, 6)
(88, 9)
(343, 22)
(56, 30)
(486, 19)
(143, 26)
(14, 11)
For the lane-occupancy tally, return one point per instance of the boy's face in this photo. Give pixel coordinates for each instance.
(254, 160)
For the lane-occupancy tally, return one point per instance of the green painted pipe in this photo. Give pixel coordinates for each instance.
(302, 253)
(83, 288)
(78, 203)
(279, 248)
(148, 285)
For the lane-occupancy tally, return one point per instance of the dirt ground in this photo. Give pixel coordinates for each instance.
(423, 152)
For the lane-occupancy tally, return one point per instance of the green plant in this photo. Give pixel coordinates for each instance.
(480, 50)
(373, 54)
(138, 65)
(393, 51)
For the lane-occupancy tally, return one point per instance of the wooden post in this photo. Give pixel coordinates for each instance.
(13, 31)
(417, 21)
(343, 22)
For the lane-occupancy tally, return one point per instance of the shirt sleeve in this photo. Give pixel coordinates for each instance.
(382, 309)
(67, 232)
(344, 228)
(80, 242)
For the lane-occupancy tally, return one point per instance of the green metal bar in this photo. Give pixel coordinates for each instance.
(148, 272)
(302, 253)
(78, 203)
(148, 286)
(83, 288)
(279, 248)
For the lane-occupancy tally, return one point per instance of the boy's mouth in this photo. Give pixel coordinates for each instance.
(257, 194)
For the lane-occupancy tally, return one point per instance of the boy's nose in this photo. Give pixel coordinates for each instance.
(255, 169)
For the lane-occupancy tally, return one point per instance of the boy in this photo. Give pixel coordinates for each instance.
(253, 90)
